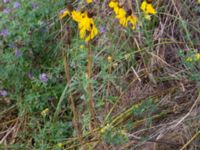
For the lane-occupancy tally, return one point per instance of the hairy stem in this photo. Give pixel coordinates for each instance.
(90, 91)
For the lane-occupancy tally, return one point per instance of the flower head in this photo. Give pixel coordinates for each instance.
(92, 33)
(147, 8)
(45, 112)
(18, 53)
(126, 56)
(34, 5)
(102, 29)
(6, 11)
(113, 4)
(4, 32)
(5, 1)
(86, 26)
(43, 77)
(88, 1)
(109, 58)
(121, 16)
(197, 56)
(189, 59)
(82, 46)
(133, 21)
(16, 5)
(60, 145)
(124, 17)
(3, 93)
(105, 128)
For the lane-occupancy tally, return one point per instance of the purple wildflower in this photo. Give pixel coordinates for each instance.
(34, 5)
(30, 75)
(6, 11)
(18, 53)
(102, 29)
(16, 5)
(5, 1)
(62, 11)
(4, 32)
(3, 93)
(43, 77)
(11, 46)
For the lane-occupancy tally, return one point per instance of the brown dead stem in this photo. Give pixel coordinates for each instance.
(76, 119)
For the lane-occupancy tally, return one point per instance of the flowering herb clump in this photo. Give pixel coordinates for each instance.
(123, 16)
(86, 25)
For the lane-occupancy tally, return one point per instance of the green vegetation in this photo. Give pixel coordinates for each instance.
(99, 74)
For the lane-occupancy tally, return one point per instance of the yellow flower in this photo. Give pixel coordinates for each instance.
(189, 59)
(82, 46)
(94, 31)
(147, 8)
(89, 1)
(197, 56)
(115, 65)
(87, 28)
(76, 15)
(133, 20)
(85, 22)
(60, 145)
(147, 16)
(126, 56)
(198, 1)
(64, 14)
(108, 126)
(121, 16)
(109, 58)
(123, 132)
(113, 4)
(45, 112)
(86, 74)
(136, 106)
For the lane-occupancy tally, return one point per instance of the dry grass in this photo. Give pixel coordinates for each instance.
(163, 77)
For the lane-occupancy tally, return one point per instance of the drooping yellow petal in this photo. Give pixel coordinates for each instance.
(113, 4)
(133, 20)
(121, 13)
(121, 16)
(82, 33)
(76, 15)
(89, 1)
(123, 22)
(147, 8)
(64, 14)
(86, 23)
(86, 26)
(92, 34)
(150, 9)
(143, 6)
